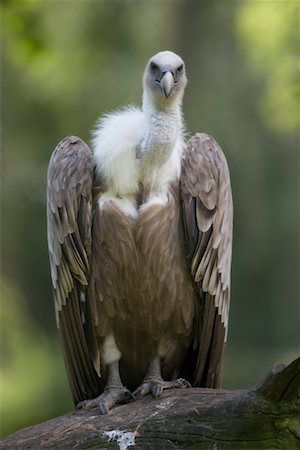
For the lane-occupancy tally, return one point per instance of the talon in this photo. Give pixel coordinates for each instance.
(156, 390)
(81, 405)
(103, 408)
(185, 383)
(129, 396)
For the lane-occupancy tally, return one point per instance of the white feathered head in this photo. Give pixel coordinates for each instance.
(165, 79)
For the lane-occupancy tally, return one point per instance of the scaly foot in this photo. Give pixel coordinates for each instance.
(109, 398)
(114, 393)
(155, 386)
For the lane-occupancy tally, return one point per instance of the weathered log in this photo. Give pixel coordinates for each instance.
(264, 417)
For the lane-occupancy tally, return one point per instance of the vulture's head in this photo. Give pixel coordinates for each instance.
(165, 79)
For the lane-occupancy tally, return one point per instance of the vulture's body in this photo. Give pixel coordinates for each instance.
(140, 249)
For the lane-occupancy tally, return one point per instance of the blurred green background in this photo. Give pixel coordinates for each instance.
(64, 63)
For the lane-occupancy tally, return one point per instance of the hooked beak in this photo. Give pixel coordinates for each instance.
(167, 83)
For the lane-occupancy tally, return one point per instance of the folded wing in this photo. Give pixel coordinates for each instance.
(69, 217)
(207, 217)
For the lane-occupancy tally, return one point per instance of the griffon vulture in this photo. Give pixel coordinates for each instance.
(140, 237)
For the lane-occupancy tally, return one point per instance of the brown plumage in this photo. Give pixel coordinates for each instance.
(145, 286)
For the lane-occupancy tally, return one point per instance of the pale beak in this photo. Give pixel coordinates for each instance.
(167, 83)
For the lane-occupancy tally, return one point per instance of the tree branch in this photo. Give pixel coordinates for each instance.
(282, 383)
(265, 417)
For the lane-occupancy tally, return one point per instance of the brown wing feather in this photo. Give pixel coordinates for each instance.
(207, 218)
(69, 215)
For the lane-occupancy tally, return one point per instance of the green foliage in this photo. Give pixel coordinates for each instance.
(32, 378)
(64, 63)
(270, 37)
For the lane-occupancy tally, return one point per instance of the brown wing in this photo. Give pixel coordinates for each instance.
(69, 216)
(207, 217)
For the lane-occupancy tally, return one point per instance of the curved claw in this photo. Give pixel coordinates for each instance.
(129, 396)
(103, 409)
(81, 405)
(185, 383)
(156, 390)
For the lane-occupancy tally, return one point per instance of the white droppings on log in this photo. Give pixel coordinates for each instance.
(124, 439)
(164, 405)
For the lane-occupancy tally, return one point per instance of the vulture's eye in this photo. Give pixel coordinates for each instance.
(180, 69)
(154, 67)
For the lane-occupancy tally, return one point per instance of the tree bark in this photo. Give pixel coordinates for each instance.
(264, 417)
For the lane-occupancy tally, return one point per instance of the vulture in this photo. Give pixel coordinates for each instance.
(140, 238)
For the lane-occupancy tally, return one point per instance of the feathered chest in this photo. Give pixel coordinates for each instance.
(137, 246)
(134, 152)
